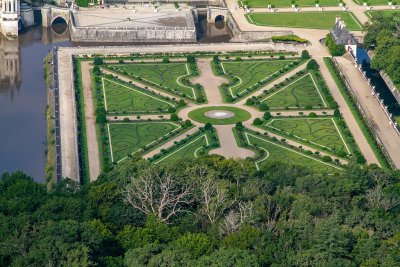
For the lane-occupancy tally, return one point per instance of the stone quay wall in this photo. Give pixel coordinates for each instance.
(132, 35)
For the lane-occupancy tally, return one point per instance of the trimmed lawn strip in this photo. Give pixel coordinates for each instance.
(301, 93)
(159, 75)
(311, 20)
(119, 98)
(252, 84)
(315, 78)
(199, 116)
(271, 149)
(288, 3)
(193, 146)
(154, 137)
(321, 133)
(356, 113)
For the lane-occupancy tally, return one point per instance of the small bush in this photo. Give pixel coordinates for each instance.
(98, 61)
(312, 65)
(312, 115)
(208, 126)
(174, 117)
(305, 54)
(267, 115)
(264, 107)
(326, 158)
(250, 102)
(257, 121)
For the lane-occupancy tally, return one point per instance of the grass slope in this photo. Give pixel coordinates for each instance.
(312, 20)
(121, 98)
(128, 138)
(163, 74)
(302, 92)
(250, 73)
(320, 131)
(276, 152)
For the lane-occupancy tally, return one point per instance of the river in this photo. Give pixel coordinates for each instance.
(23, 96)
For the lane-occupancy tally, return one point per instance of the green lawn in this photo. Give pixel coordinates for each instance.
(128, 138)
(384, 12)
(162, 74)
(199, 115)
(320, 131)
(288, 3)
(301, 93)
(190, 150)
(120, 98)
(373, 2)
(249, 73)
(280, 153)
(312, 20)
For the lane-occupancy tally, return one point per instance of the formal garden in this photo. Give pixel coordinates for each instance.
(143, 108)
(288, 3)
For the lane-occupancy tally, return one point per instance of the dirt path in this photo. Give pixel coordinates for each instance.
(370, 104)
(90, 120)
(68, 135)
(229, 148)
(210, 81)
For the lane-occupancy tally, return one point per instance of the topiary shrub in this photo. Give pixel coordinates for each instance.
(174, 117)
(264, 107)
(98, 61)
(250, 102)
(305, 54)
(326, 158)
(312, 65)
(312, 115)
(257, 121)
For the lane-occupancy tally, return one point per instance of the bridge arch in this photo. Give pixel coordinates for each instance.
(216, 13)
(59, 19)
(52, 13)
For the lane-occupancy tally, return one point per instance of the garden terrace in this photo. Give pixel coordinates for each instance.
(311, 20)
(288, 3)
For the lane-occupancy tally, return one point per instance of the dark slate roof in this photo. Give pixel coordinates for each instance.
(342, 35)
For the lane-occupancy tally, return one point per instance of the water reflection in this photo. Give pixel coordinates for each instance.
(10, 64)
(23, 100)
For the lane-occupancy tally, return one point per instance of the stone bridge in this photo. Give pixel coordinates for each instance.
(213, 12)
(51, 13)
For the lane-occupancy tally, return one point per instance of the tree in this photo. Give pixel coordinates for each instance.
(187, 123)
(264, 107)
(267, 115)
(334, 49)
(155, 191)
(191, 59)
(250, 102)
(101, 115)
(229, 257)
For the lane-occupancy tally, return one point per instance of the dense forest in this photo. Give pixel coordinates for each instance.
(383, 35)
(205, 212)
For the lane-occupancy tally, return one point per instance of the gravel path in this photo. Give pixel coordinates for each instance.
(90, 121)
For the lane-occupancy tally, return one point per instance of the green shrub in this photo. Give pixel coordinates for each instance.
(187, 123)
(334, 49)
(289, 39)
(305, 54)
(312, 115)
(239, 125)
(208, 126)
(250, 102)
(312, 65)
(174, 117)
(98, 61)
(191, 59)
(267, 115)
(326, 158)
(165, 60)
(257, 121)
(101, 115)
(264, 107)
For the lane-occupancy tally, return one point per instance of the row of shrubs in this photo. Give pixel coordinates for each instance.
(288, 39)
(207, 129)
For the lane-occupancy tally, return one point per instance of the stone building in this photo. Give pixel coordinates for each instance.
(9, 14)
(342, 36)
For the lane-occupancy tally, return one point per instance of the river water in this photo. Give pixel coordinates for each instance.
(23, 96)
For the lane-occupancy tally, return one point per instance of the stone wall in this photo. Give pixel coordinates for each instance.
(138, 35)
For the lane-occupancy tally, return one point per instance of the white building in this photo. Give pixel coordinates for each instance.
(9, 13)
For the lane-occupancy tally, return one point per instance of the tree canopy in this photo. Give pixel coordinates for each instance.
(204, 212)
(382, 35)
